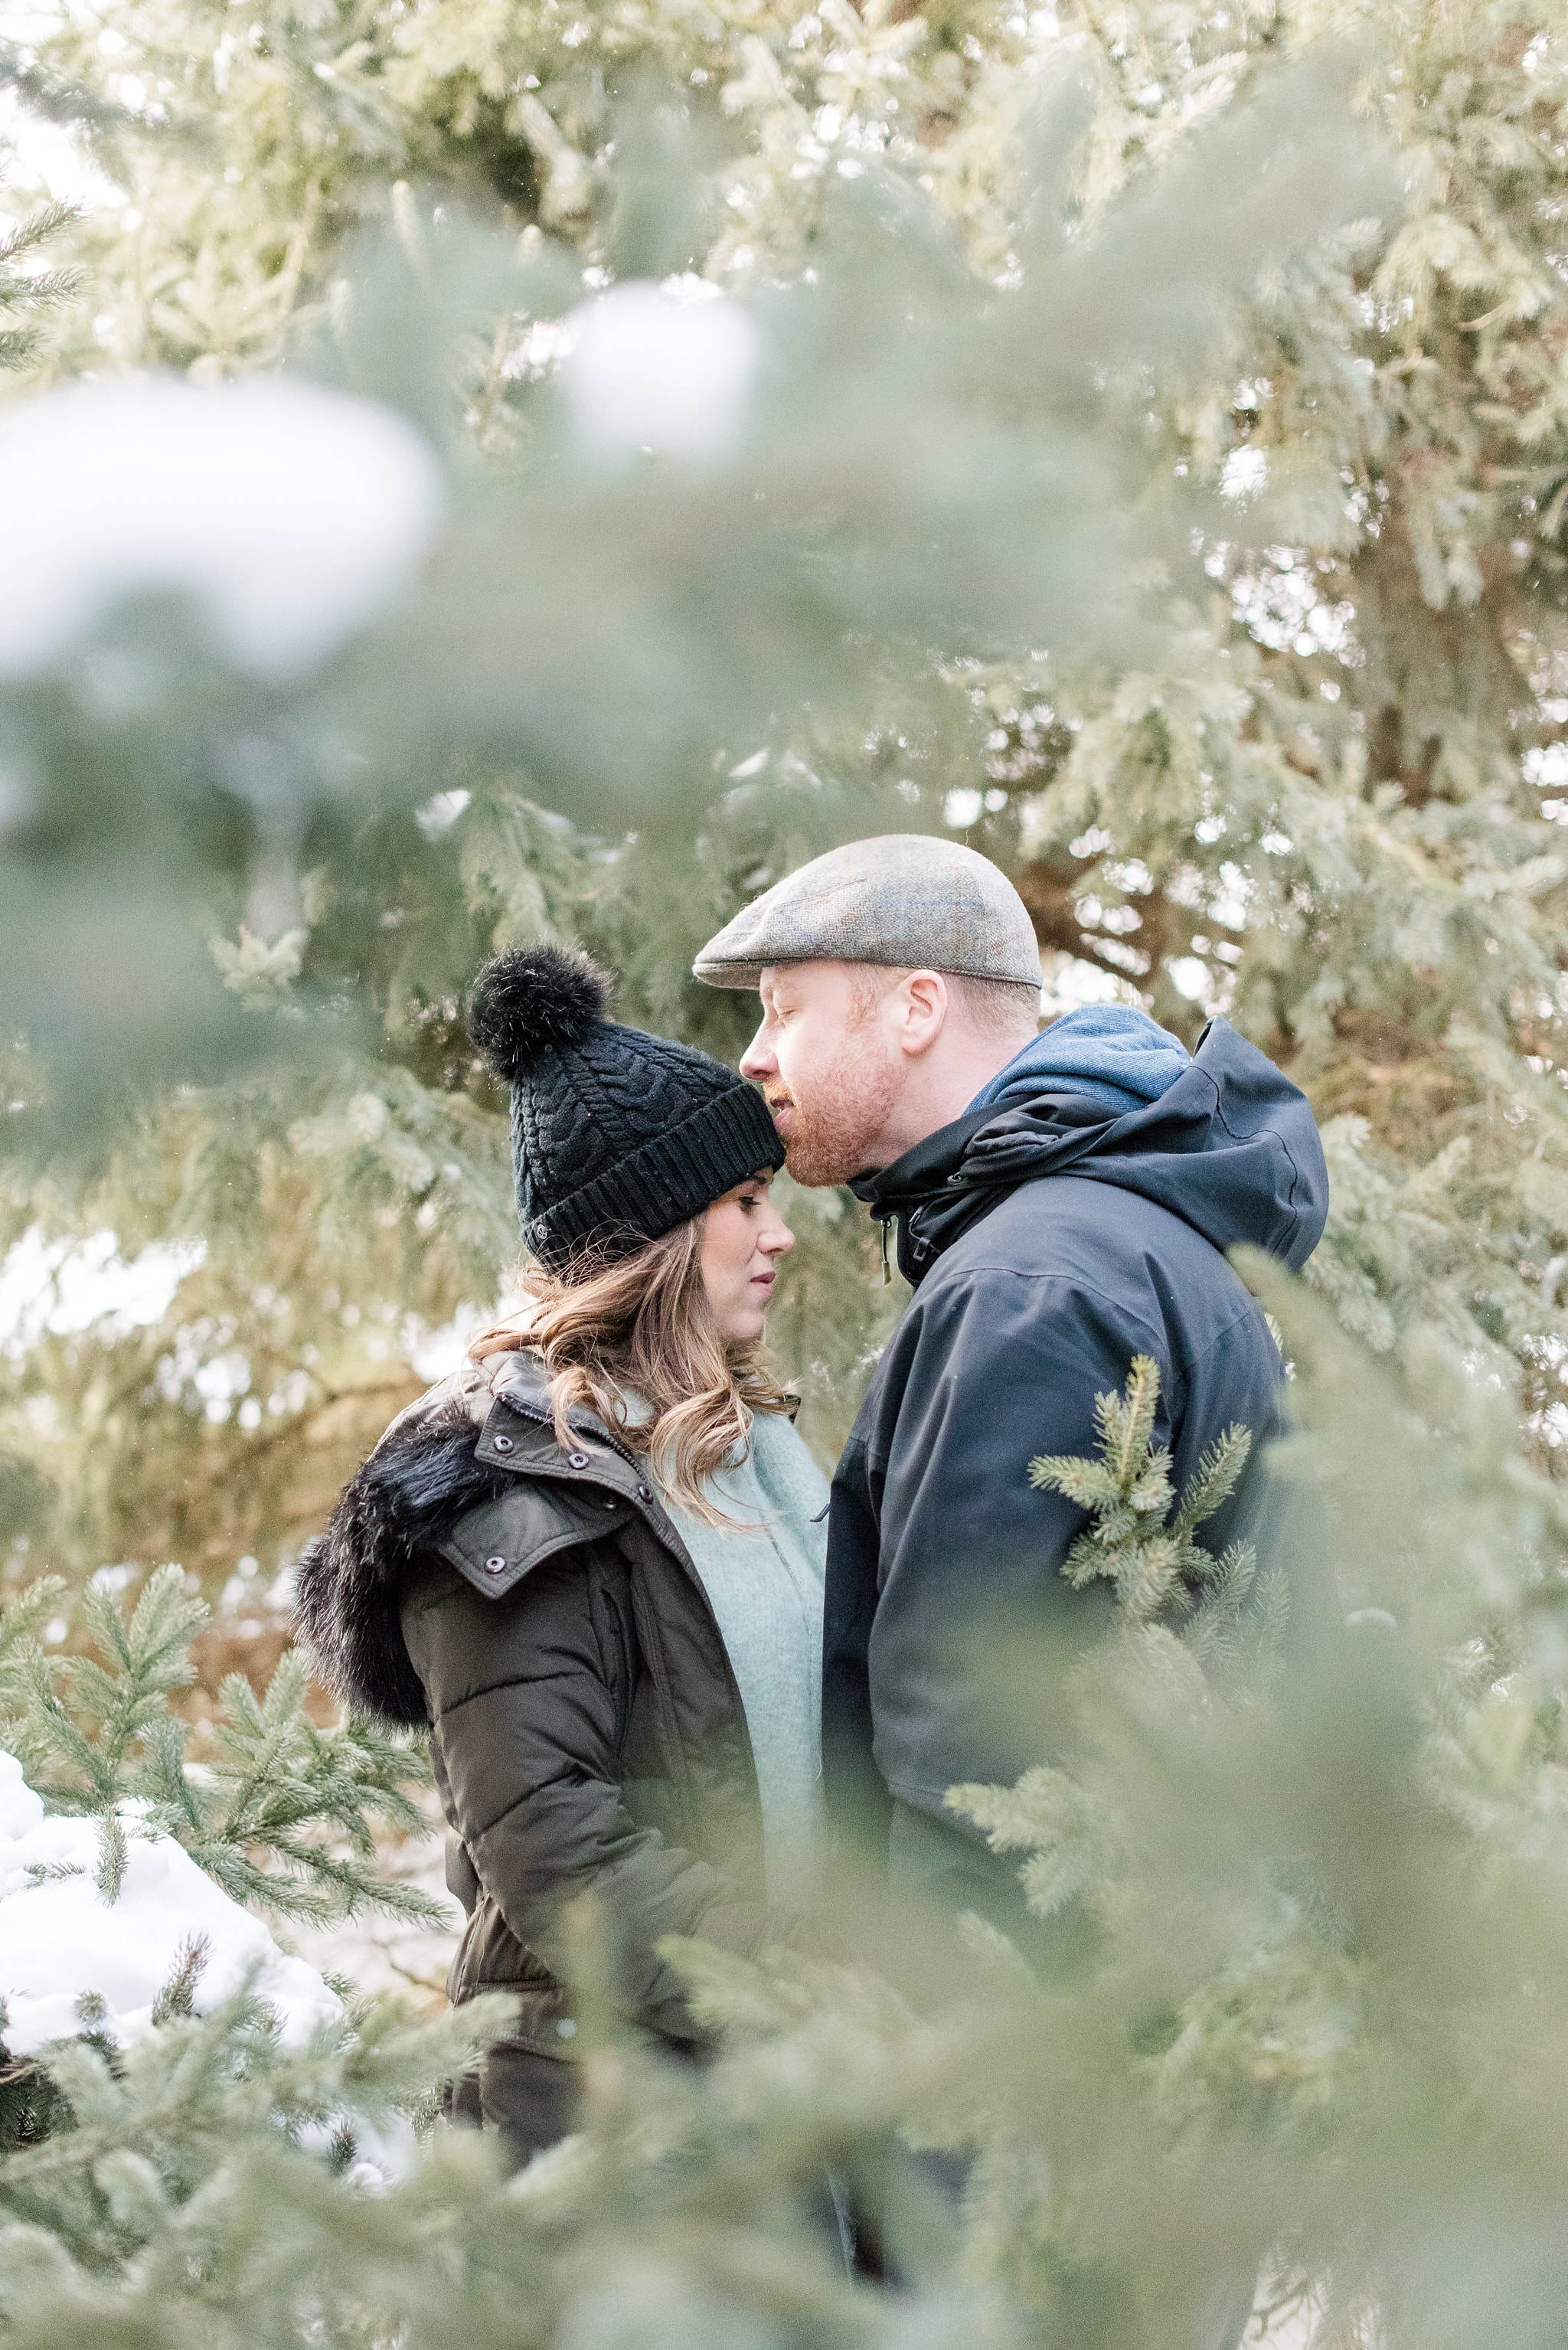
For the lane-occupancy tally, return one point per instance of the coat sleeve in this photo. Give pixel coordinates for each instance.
(523, 1705)
(943, 1559)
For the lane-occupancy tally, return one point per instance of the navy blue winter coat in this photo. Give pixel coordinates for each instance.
(1048, 1244)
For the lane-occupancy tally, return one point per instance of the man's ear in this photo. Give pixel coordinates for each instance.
(924, 1001)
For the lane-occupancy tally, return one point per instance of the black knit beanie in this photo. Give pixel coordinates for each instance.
(617, 1137)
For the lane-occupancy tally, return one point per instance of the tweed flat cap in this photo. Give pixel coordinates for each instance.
(906, 901)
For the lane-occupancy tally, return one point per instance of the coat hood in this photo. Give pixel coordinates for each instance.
(1230, 1146)
(348, 1589)
(1106, 1053)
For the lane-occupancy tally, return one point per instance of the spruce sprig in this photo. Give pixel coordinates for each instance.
(1152, 1558)
(132, 2164)
(1188, 1623)
(20, 1626)
(283, 1815)
(24, 291)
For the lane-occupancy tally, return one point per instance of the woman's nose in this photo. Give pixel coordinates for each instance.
(777, 1243)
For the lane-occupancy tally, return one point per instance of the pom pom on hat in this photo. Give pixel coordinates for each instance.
(532, 1000)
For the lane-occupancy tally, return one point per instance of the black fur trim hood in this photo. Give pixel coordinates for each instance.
(409, 1496)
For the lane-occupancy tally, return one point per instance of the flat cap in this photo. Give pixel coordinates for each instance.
(907, 900)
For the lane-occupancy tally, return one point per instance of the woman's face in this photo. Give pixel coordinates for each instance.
(743, 1237)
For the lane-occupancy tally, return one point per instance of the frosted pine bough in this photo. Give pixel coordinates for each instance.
(290, 514)
(72, 1959)
(1182, 774)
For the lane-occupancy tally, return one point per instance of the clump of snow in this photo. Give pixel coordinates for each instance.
(1244, 472)
(667, 367)
(292, 515)
(61, 1942)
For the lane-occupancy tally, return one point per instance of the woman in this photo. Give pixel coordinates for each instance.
(592, 1560)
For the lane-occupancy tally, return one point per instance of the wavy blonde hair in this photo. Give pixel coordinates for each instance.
(644, 1321)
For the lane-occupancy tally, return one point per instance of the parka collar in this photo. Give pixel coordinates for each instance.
(519, 1379)
(932, 1190)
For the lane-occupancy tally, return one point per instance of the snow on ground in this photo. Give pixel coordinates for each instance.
(61, 1942)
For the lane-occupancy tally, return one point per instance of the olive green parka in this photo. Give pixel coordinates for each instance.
(535, 1607)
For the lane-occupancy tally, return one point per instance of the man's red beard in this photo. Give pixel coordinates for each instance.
(833, 1131)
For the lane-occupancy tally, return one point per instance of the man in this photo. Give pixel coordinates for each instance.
(1063, 1202)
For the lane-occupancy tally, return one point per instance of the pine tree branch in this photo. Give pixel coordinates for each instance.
(25, 236)
(285, 1817)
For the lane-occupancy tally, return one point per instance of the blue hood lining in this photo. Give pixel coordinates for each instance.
(1110, 1054)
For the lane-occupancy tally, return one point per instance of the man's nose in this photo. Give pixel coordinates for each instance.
(757, 1060)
